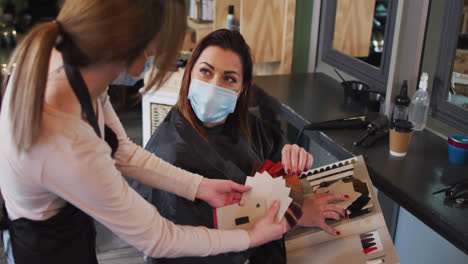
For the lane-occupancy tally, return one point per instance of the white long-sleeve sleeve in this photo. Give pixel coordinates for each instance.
(92, 183)
(139, 164)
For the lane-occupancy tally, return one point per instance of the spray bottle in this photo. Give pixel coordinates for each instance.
(419, 108)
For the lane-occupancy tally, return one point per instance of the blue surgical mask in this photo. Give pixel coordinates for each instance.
(126, 79)
(211, 104)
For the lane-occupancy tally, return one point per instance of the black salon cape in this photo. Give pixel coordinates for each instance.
(227, 156)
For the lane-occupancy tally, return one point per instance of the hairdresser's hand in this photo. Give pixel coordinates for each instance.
(317, 208)
(219, 193)
(295, 159)
(266, 229)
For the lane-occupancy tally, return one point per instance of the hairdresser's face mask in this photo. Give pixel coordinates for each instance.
(126, 79)
(211, 104)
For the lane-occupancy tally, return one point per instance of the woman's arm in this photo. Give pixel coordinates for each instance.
(314, 210)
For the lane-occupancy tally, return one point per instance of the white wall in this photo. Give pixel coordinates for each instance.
(417, 243)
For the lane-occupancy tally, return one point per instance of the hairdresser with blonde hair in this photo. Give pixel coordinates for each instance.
(57, 170)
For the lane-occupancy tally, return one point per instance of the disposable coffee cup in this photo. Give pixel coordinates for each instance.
(400, 137)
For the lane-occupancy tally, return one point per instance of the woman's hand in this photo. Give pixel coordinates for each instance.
(266, 229)
(219, 193)
(317, 208)
(295, 159)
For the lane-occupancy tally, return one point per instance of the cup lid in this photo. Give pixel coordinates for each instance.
(459, 141)
(401, 125)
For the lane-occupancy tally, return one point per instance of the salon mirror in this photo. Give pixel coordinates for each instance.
(449, 101)
(458, 88)
(358, 38)
(360, 29)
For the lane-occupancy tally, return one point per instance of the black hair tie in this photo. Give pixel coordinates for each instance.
(59, 41)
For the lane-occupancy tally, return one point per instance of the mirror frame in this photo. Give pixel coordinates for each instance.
(374, 76)
(441, 109)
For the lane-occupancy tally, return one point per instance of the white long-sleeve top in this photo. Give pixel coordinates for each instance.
(70, 163)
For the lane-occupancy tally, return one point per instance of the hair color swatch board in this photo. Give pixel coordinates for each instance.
(364, 236)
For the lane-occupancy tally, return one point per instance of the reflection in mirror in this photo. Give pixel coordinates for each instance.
(458, 92)
(448, 100)
(373, 67)
(360, 28)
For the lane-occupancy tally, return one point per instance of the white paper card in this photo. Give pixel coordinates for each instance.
(269, 189)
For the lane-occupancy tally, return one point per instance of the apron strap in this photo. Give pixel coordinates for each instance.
(4, 221)
(82, 93)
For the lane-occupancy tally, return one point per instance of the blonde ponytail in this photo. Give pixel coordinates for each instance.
(29, 64)
(94, 32)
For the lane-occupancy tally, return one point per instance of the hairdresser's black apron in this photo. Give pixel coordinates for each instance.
(69, 236)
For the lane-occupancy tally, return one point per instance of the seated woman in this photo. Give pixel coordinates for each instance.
(211, 132)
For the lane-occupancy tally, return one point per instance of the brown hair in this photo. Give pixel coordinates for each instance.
(94, 32)
(228, 40)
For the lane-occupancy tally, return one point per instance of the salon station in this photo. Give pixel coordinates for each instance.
(375, 90)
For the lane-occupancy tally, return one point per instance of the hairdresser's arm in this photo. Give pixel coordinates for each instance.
(83, 173)
(137, 163)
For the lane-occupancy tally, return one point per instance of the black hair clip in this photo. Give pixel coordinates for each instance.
(59, 41)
